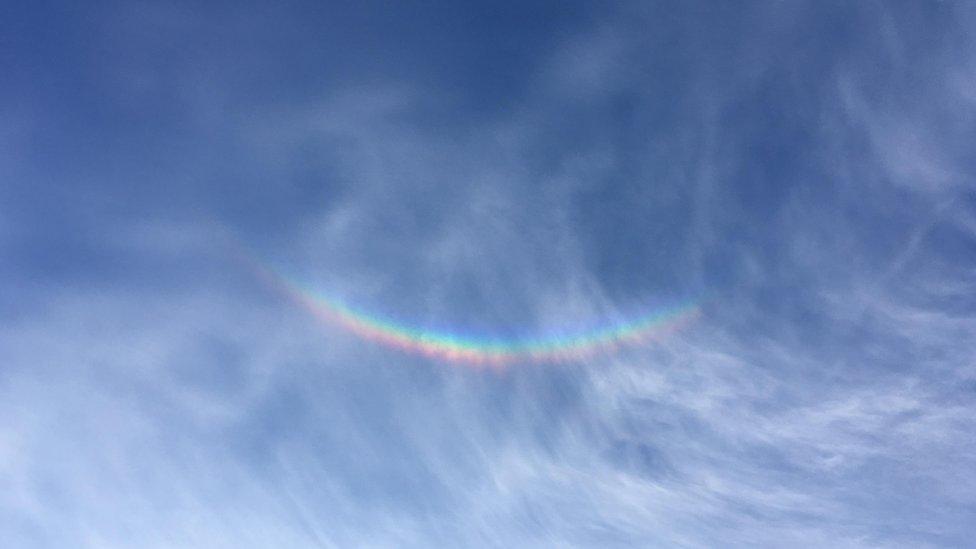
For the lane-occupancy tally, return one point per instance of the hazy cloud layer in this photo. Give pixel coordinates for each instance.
(803, 171)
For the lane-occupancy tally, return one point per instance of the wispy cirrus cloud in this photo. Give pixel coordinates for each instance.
(807, 181)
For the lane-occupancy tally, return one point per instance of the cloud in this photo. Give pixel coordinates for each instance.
(811, 192)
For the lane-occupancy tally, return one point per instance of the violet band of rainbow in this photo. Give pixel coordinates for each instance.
(488, 351)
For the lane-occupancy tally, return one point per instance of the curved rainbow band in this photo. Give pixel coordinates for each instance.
(497, 352)
(476, 351)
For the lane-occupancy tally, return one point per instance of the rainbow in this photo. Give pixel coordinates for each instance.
(483, 351)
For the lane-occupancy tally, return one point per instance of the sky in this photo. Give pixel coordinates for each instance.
(500, 274)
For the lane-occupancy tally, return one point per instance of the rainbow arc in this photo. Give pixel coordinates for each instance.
(483, 351)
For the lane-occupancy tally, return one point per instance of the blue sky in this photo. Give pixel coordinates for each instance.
(802, 171)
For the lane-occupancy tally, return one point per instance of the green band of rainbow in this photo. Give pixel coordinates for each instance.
(470, 350)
